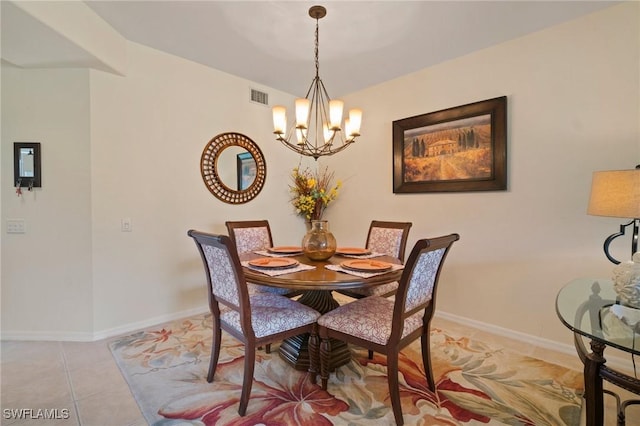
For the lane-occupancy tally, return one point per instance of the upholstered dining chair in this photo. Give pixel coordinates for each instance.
(249, 236)
(254, 320)
(387, 326)
(252, 235)
(389, 238)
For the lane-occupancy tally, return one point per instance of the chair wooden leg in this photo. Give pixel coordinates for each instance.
(370, 354)
(325, 351)
(314, 354)
(215, 352)
(247, 381)
(394, 387)
(426, 358)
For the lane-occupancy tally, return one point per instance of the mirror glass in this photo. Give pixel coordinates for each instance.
(236, 168)
(26, 164)
(233, 168)
(247, 170)
(26, 168)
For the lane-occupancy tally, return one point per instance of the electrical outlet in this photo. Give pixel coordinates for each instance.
(125, 225)
(16, 226)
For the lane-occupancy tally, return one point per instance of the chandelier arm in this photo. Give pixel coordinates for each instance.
(317, 109)
(340, 148)
(324, 89)
(311, 86)
(321, 115)
(328, 99)
(311, 97)
(309, 151)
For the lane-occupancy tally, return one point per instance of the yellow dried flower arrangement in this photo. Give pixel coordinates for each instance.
(312, 191)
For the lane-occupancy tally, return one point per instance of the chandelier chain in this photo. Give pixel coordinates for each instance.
(317, 49)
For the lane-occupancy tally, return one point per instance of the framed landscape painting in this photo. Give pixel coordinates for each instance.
(457, 149)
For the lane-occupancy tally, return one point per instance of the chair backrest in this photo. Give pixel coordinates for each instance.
(418, 284)
(225, 279)
(388, 238)
(250, 235)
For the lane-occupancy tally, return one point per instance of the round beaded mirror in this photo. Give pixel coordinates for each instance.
(233, 168)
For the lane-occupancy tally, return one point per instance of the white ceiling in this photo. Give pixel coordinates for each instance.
(362, 43)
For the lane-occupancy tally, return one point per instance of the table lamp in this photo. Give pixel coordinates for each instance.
(616, 193)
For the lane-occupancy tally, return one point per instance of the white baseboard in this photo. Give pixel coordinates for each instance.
(623, 364)
(509, 334)
(72, 336)
(128, 328)
(48, 336)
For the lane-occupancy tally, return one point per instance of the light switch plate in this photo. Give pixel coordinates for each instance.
(16, 226)
(125, 225)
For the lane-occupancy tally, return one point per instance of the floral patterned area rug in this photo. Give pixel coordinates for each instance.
(166, 369)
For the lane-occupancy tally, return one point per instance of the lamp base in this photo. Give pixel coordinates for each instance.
(634, 240)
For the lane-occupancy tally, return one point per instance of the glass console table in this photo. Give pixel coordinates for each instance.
(589, 307)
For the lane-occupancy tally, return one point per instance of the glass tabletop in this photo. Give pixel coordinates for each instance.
(590, 307)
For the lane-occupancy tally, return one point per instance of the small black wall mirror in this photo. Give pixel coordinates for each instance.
(26, 164)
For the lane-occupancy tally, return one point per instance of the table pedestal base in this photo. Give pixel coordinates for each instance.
(295, 350)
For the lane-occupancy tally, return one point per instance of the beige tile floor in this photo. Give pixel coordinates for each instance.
(83, 379)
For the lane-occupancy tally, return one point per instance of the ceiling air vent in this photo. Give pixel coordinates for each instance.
(259, 97)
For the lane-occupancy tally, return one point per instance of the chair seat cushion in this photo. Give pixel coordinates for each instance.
(257, 289)
(378, 290)
(271, 314)
(369, 319)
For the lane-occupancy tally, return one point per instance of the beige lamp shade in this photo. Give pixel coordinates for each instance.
(615, 193)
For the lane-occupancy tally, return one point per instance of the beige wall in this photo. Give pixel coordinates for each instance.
(573, 107)
(148, 132)
(573, 93)
(46, 272)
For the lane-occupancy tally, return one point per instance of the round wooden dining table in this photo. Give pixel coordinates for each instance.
(316, 287)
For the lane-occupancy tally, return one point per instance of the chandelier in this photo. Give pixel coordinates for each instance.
(318, 121)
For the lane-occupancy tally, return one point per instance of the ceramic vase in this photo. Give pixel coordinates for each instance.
(626, 281)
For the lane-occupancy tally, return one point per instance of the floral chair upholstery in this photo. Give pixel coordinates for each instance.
(249, 236)
(389, 238)
(386, 326)
(386, 240)
(253, 320)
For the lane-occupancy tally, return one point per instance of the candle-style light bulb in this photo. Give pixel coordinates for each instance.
(348, 130)
(302, 113)
(327, 132)
(335, 113)
(355, 118)
(301, 135)
(279, 119)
